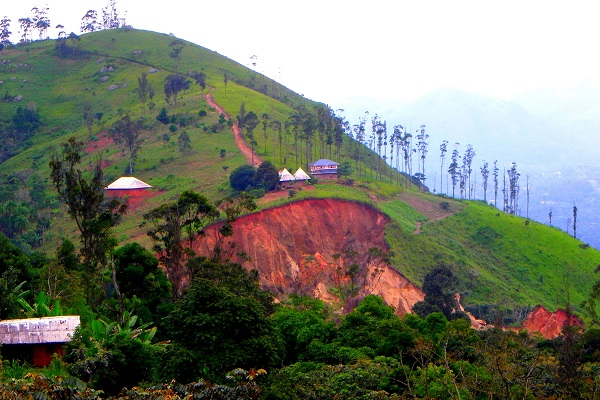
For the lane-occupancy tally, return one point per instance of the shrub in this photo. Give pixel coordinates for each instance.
(242, 177)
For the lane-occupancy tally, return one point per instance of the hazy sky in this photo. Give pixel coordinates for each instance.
(331, 50)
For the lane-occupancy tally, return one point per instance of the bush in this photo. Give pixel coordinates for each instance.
(241, 178)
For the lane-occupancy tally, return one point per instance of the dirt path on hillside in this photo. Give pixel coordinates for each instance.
(239, 140)
(433, 211)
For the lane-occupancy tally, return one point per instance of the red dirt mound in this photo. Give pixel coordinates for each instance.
(548, 324)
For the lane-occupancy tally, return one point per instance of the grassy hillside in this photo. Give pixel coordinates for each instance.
(500, 259)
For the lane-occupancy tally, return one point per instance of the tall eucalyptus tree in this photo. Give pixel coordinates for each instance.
(443, 151)
(485, 173)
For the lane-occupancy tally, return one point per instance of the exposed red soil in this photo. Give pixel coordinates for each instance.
(254, 160)
(302, 248)
(549, 324)
(98, 145)
(135, 198)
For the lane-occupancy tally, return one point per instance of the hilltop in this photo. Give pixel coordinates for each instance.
(500, 259)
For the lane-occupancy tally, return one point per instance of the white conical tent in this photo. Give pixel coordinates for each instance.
(127, 183)
(286, 176)
(300, 175)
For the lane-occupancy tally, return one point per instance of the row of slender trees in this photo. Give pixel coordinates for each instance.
(407, 152)
(311, 133)
(39, 22)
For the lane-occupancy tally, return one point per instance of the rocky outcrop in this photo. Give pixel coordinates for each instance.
(326, 248)
(548, 324)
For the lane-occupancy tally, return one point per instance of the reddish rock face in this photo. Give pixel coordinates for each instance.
(548, 324)
(307, 248)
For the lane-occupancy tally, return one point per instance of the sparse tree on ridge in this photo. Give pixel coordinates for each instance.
(467, 169)
(392, 144)
(397, 139)
(407, 150)
(40, 21)
(265, 124)
(89, 22)
(26, 26)
(574, 221)
(61, 32)
(176, 49)
(174, 84)
(485, 173)
(513, 181)
(144, 89)
(5, 31)
(443, 150)
(277, 127)
(359, 135)
(110, 16)
(125, 132)
(422, 150)
(341, 127)
(250, 123)
(495, 174)
(453, 168)
(379, 131)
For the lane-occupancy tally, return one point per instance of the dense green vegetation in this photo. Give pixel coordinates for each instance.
(207, 320)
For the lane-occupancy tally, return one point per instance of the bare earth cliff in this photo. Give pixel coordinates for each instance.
(309, 247)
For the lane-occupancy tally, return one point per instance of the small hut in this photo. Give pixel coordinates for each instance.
(300, 175)
(129, 187)
(285, 176)
(324, 169)
(36, 340)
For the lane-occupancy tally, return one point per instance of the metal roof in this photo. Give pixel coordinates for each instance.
(323, 163)
(127, 182)
(38, 330)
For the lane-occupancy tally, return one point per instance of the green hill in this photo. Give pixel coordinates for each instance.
(499, 258)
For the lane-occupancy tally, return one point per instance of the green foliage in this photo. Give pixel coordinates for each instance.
(111, 355)
(139, 276)
(43, 307)
(16, 277)
(373, 324)
(25, 122)
(163, 116)
(223, 321)
(300, 322)
(173, 228)
(88, 206)
(266, 176)
(184, 143)
(440, 287)
(242, 177)
(174, 84)
(361, 380)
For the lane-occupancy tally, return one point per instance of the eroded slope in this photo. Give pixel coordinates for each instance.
(326, 248)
